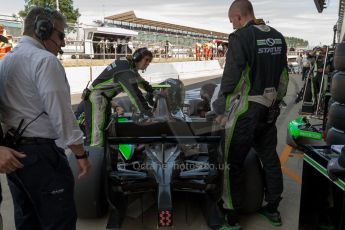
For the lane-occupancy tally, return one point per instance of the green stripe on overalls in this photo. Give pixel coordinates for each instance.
(103, 83)
(95, 140)
(130, 96)
(105, 114)
(103, 111)
(241, 89)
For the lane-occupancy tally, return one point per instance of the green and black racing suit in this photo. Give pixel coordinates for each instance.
(120, 76)
(254, 81)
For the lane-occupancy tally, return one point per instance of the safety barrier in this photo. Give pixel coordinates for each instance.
(78, 77)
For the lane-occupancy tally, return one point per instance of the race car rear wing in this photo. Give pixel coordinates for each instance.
(162, 132)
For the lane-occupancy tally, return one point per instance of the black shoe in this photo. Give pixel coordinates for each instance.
(225, 227)
(237, 226)
(273, 216)
(232, 220)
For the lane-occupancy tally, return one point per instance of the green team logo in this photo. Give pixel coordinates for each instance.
(269, 42)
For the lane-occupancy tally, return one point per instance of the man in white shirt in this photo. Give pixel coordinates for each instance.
(34, 89)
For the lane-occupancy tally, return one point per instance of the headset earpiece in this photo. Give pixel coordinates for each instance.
(139, 54)
(44, 26)
(43, 29)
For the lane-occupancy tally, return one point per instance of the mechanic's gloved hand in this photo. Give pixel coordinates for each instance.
(149, 98)
(334, 169)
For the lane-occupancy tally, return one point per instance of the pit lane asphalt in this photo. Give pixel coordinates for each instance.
(194, 219)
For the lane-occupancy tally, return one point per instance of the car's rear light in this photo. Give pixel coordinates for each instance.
(165, 218)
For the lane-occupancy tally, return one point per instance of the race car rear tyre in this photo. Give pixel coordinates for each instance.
(328, 126)
(336, 116)
(339, 57)
(335, 137)
(290, 140)
(338, 86)
(254, 184)
(89, 192)
(330, 102)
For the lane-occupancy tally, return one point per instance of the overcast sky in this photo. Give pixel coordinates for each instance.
(298, 18)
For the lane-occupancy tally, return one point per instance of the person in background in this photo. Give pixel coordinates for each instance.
(130, 46)
(206, 48)
(300, 63)
(321, 66)
(220, 50)
(306, 65)
(210, 50)
(198, 51)
(6, 42)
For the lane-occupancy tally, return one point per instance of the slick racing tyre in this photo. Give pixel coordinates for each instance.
(254, 184)
(335, 137)
(328, 126)
(330, 102)
(336, 116)
(339, 57)
(290, 140)
(89, 192)
(338, 86)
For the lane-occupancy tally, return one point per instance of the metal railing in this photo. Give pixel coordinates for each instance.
(105, 50)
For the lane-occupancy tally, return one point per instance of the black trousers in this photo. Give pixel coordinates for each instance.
(252, 131)
(43, 190)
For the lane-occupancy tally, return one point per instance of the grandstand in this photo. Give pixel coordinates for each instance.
(153, 29)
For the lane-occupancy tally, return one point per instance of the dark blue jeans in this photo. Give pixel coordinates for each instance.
(43, 190)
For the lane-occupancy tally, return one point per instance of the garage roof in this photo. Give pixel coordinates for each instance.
(112, 30)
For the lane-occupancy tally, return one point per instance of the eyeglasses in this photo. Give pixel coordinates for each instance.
(62, 35)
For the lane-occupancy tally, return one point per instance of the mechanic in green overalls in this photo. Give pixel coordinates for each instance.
(120, 76)
(254, 82)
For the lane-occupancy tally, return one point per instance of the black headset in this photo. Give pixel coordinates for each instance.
(43, 24)
(140, 54)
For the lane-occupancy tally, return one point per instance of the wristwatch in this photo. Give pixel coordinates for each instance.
(84, 156)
